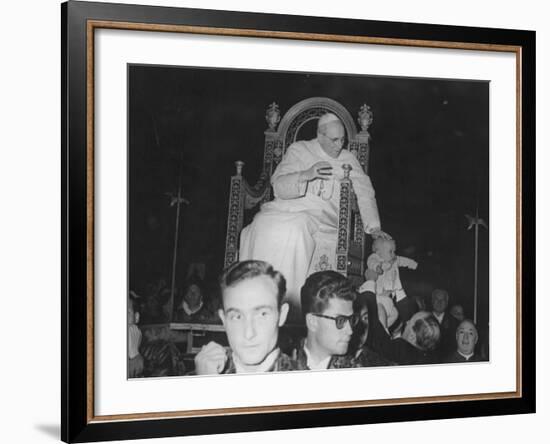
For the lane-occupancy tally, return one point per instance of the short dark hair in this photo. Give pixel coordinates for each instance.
(241, 271)
(427, 332)
(361, 302)
(322, 286)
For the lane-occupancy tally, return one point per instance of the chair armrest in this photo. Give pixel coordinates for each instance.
(344, 221)
(241, 196)
(256, 193)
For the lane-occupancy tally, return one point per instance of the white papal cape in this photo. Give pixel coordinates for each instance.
(285, 231)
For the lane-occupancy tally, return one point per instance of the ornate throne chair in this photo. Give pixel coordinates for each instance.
(344, 250)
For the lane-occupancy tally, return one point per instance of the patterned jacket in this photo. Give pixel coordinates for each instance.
(283, 363)
(367, 357)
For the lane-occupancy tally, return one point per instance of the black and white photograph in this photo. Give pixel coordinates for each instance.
(276, 222)
(299, 221)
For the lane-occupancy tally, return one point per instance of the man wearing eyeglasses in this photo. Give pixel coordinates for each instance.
(304, 213)
(327, 302)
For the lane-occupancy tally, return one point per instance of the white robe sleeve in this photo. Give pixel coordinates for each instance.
(286, 179)
(365, 196)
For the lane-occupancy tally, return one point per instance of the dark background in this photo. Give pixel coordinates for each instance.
(429, 164)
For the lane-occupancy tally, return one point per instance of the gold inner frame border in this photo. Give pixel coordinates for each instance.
(92, 25)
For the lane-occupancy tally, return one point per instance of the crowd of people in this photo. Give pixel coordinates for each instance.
(342, 329)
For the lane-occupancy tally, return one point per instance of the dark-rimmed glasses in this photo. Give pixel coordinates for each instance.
(341, 319)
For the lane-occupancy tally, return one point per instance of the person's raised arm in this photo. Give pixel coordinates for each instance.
(378, 338)
(366, 199)
(403, 261)
(370, 282)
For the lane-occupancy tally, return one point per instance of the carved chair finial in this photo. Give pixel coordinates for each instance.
(273, 116)
(365, 117)
(239, 164)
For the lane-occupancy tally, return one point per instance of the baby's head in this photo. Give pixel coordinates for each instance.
(385, 248)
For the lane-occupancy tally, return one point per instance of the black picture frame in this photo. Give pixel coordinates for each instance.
(78, 423)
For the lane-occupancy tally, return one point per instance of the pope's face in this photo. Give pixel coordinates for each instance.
(252, 317)
(331, 138)
(334, 341)
(466, 337)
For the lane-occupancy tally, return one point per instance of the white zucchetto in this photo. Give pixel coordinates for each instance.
(327, 118)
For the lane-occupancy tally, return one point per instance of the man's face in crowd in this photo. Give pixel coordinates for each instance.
(439, 301)
(333, 340)
(193, 295)
(331, 138)
(252, 317)
(466, 337)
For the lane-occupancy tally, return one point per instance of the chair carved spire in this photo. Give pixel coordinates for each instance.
(365, 118)
(273, 116)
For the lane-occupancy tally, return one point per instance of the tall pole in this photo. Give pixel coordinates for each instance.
(475, 222)
(475, 266)
(177, 200)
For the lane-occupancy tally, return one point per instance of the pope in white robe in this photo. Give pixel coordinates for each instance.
(306, 187)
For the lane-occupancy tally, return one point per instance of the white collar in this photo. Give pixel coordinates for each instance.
(264, 366)
(439, 317)
(188, 311)
(321, 365)
(467, 357)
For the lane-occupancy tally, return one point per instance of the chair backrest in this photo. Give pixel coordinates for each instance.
(281, 133)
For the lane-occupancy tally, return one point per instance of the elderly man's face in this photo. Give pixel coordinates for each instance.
(439, 301)
(331, 138)
(252, 317)
(466, 337)
(334, 341)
